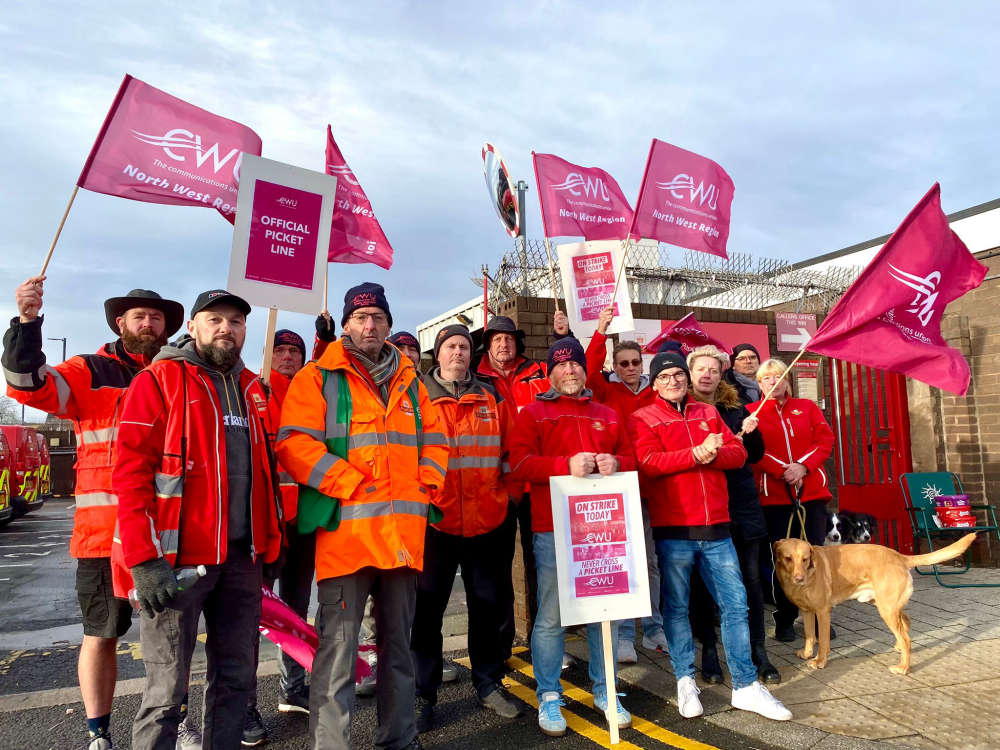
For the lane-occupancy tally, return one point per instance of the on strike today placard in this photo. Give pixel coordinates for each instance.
(282, 235)
(588, 272)
(600, 548)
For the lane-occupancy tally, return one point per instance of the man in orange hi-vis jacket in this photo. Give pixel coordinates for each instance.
(360, 434)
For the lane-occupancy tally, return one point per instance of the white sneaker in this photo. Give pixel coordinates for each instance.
(625, 652)
(550, 718)
(688, 702)
(655, 642)
(188, 735)
(755, 697)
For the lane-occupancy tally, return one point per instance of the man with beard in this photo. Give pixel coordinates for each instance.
(88, 389)
(197, 485)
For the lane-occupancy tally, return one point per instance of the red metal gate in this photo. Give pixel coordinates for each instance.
(871, 423)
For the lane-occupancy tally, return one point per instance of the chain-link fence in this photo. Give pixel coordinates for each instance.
(666, 275)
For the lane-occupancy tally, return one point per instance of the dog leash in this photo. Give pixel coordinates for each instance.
(797, 510)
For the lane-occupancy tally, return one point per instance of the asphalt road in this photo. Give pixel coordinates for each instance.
(39, 706)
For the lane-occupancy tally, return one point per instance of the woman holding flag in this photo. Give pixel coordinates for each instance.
(797, 441)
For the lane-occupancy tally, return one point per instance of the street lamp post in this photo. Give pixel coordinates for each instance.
(63, 339)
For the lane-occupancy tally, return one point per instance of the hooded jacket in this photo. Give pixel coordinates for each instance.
(87, 389)
(551, 430)
(385, 481)
(608, 388)
(793, 432)
(680, 491)
(527, 379)
(194, 473)
(474, 498)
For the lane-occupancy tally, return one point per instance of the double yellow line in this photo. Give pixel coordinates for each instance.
(596, 734)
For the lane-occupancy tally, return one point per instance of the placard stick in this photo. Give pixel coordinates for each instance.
(611, 689)
(272, 324)
(552, 273)
(621, 269)
(55, 239)
(326, 288)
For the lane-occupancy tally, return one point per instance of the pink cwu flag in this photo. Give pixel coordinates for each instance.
(890, 318)
(684, 200)
(688, 333)
(157, 148)
(580, 201)
(356, 234)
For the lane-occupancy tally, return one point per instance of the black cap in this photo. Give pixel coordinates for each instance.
(219, 297)
(367, 294)
(669, 345)
(744, 348)
(564, 350)
(455, 329)
(503, 324)
(290, 338)
(665, 361)
(404, 338)
(173, 312)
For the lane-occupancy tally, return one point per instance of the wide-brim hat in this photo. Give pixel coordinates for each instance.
(173, 312)
(503, 324)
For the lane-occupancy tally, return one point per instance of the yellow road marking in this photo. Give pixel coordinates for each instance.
(581, 725)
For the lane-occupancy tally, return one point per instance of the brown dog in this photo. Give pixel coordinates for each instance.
(816, 579)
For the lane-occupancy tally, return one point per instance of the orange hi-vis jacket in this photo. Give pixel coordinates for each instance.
(289, 487)
(87, 389)
(474, 498)
(386, 481)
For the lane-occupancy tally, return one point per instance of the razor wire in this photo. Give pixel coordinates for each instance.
(666, 275)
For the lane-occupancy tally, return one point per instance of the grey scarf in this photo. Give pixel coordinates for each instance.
(381, 370)
(751, 386)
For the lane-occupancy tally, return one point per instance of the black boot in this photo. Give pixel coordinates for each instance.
(784, 631)
(765, 670)
(424, 711)
(711, 671)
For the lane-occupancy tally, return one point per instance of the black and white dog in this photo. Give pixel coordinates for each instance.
(847, 527)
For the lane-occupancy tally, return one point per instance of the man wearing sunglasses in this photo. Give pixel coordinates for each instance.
(626, 389)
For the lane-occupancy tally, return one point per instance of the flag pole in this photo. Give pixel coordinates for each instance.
(552, 273)
(631, 226)
(55, 239)
(778, 381)
(272, 324)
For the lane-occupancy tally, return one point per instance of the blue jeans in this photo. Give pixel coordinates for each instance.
(654, 623)
(720, 569)
(547, 635)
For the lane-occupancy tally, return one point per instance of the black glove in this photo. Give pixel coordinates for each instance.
(324, 328)
(272, 570)
(155, 585)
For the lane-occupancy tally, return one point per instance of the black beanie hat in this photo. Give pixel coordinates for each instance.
(566, 349)
(455, 329)
(290, 338)
(743, 348)
(503, 324)
(367, 294)
(666, 360)
(404, 338)
(669, 345)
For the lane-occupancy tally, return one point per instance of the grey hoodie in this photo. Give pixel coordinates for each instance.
(236, 430)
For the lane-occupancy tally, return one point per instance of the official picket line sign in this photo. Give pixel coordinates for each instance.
(282, 235)
(600, 548)
(588, 272)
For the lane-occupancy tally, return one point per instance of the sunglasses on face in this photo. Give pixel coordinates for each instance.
(629, 363)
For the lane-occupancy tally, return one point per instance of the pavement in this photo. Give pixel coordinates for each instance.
(948, 699)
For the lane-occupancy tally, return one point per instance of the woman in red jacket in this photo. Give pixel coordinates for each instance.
(797, 441)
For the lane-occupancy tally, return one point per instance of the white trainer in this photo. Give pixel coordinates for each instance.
(755, 697)
(655, 642)
(625, 652)
(688, 703)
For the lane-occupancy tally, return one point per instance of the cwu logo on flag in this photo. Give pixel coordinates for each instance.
(926, 288)
(592, 187)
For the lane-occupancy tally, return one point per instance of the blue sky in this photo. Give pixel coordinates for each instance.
(833, 119)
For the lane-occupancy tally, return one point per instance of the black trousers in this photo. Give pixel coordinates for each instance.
(484, 561)
(702, 609)
(520, 515)
(295, 587)
(777, 528)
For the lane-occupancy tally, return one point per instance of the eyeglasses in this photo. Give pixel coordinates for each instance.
(748, 358)
(677, 377)
(377, 318)
(629, 363)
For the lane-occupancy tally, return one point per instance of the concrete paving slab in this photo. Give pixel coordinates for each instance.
(847, 716)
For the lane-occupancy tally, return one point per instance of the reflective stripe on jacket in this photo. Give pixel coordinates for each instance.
(384, 484)
(679, 490)
(171, 476)
(289, 487)
(474, 499)
(793, 432)
(88, 390)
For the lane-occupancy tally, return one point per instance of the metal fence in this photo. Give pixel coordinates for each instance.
(666, 275)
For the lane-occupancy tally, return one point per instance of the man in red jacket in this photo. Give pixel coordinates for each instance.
(473, 535)
(196, 485)
(683, 448)
(88, 389)
(563, 432)
(626, 389)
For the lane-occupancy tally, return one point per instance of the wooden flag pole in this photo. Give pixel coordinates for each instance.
(272, 324)
(778, 382)
(55, 239)
(552, 273)
(610, 687)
